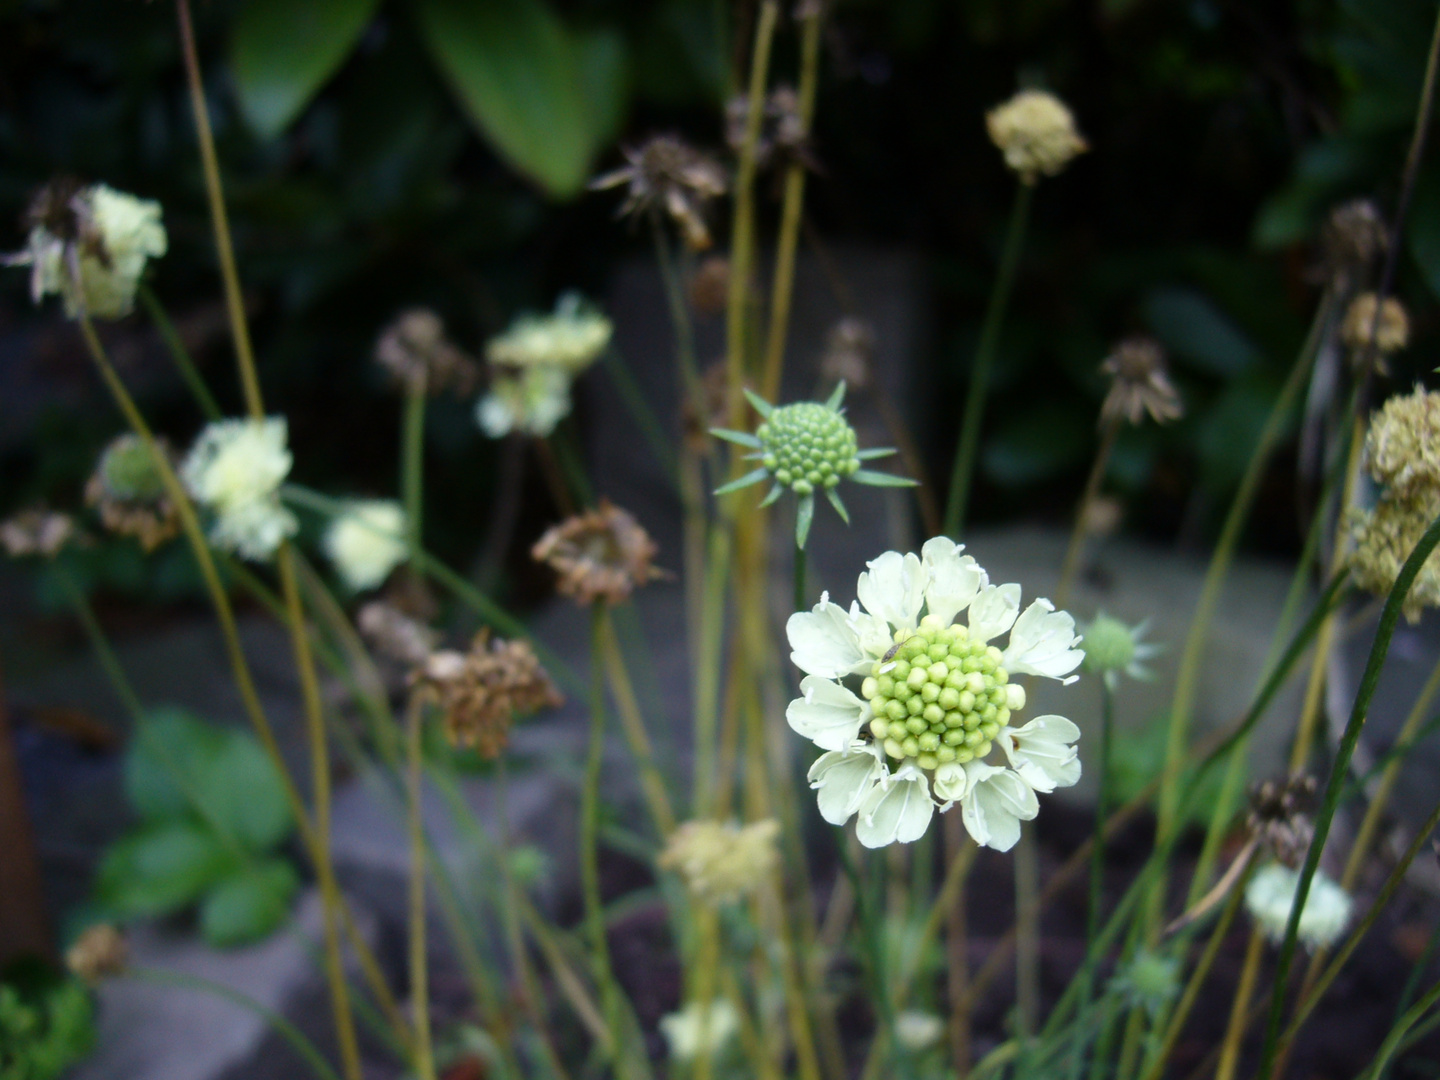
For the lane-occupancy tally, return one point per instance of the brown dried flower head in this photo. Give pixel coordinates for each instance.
(129, 493)
(600, 555)
(415, 347)
(710, 286)
(396, 635)
(721, 863)
(36, 532)
(665, 174)
(1036, 133)
(1392, 330)
(1351, 240)
(1279, 816)
(1139, 384)
(482, 692)
(782, 138)
(849, 353)
(99, 951)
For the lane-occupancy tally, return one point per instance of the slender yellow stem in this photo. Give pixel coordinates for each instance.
(633, 723)
(215, 194)
(424, 1062)
(1241, 1015)
(783, 287)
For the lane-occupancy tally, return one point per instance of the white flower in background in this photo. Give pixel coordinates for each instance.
(1270, 897)
(235, 470)
(366, 542)
(1112, 647)
(918, 1031)
(1036, 133)
(107, 234)
(572, 338)
(935, 697)
(699, 1029)
(531, 401)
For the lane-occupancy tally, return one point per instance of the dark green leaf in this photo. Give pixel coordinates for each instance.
(243, 795)
(1193, 328)
(168, 752)
(604, 83)
(284, 51)
(249, 903)
(161, 869)
(517, 72)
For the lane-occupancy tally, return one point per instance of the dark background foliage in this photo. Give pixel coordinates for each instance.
(381, 153)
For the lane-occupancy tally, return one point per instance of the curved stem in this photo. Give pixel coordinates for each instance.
(419, 973)
(179, 355)
(282, 1027)
(412, 458)
(962, 473)
(104, 653)
(1369, 680)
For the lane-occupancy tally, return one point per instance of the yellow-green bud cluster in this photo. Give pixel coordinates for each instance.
(807, 446)
(127, 471)
(939, 697)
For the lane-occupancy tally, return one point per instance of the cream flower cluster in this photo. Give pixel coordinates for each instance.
(366, 542)
(699, 1029)
(907, 703)
(235, 470)
(531, 401)
(1270, 897)
(1036, 133)
(124, 232)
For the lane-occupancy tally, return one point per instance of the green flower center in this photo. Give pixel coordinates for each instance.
(808, 446)
(1109, 645)
(938, 697)
(127, 471)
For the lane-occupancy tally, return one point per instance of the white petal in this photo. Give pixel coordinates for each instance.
(872, 631)
(954, 579)
(843, 779)
(1042, 752)
(951, 782)
(997, 802)
(823, 643)
(1043, 643)
(992, 612)
(894, 588)
(897, 812)
(828, 715)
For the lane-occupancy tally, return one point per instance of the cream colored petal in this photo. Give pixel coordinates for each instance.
(897, 812)
(827, 714)
(954, 579)
(993, 611)
(822, 642)
(1043, 642)
(894, 588)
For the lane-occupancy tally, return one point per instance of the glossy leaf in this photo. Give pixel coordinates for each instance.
(284, 51)
(526, 83)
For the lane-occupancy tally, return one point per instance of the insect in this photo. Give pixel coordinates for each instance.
(890, 652)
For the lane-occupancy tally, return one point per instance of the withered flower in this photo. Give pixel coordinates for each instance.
(1279, 817)
(710, 285)
(1390, 329)
(99, 951)
(36, 532)
(666, 174)
(483, 691)
(782, 137)
(1139, 384)
(127, 490)
(600, 555)
(395, 634)
(849, 353)
(1351, 240)
(414, 347)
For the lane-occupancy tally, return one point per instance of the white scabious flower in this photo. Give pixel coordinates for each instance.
(235, 470)
(917, 1031)
(531, 401)
(908, 703)
(571, 338)
(366, 542)
(699, 1029)
(108, 235)
(1270, 897)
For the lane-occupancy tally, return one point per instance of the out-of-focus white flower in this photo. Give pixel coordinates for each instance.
(699, 1029)
(235, 470)
(366, 542)
(934, 695)
(571, 338)
(1036, 133)
(108, 235)
(531, 401)
(722, 862)
(1270, 897)
(918, 1031)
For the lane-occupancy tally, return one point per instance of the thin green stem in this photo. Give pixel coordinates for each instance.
(1401, 1028)
(412, 458)
(679, 318)
(1071, 563)
(1097, 850)
(282, 1027)
(1369, 680)
(179, 355)
(104, 653)
(962, 473)
(424, 1062)
(644, 417)
(800, 561)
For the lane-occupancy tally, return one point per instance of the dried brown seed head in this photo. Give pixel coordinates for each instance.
(481, 693)
(600, 555)
(1139, 383)
(36, 532)
(667, 175)
(414, 347)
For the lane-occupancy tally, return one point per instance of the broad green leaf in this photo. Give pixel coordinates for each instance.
(242, 794)
(249, 903)
(284, 51)
(161, 869)
(518, 73)
(604, 72)
(1194, 329)
(168, 752)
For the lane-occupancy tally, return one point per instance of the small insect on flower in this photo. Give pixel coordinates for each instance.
(805, 447)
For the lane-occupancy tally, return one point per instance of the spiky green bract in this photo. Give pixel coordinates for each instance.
(806, 447)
